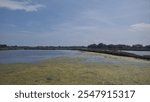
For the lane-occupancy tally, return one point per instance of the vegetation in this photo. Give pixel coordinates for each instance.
(100, 48)
(137, 47)
(116, 52)
(69, 71)
(6, 47)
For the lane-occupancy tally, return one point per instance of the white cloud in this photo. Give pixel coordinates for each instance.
(18, 5)
(139, 27)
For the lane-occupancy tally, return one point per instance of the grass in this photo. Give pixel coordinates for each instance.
(62, 71)
(117, 53)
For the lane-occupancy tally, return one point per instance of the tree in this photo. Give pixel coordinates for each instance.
(137, 46)
(3, 45)
(101, 45)
(92, 46)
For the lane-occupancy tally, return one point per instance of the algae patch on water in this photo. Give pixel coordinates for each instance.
(68, 71)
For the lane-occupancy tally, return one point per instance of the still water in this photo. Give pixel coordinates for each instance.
(139, 52)
(35, 56)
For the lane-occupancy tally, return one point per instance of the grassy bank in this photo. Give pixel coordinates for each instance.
(74, 71)
(117, 53)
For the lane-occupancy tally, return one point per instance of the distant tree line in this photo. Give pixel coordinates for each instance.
(119, 47)
(6, 47)
(3, 45)
(99, 46)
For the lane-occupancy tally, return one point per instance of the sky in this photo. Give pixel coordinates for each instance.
(74, 22)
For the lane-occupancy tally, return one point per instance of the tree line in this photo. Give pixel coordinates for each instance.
(119, 47)
(6, 47)
(100, 46)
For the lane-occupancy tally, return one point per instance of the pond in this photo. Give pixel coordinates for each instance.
(33, 56)
(36, 56)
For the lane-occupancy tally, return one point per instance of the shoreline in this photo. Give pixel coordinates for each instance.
(110, 52)
(118, 53)
(70, 71)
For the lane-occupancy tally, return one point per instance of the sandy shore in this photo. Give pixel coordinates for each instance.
(60, 71)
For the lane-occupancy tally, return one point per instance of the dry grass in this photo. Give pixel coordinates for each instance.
(72, 71)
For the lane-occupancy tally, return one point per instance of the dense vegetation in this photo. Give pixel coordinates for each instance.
(119, 47)
(117, 50)
(6, 47)
(101, 46)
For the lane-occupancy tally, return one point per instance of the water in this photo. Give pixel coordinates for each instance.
(139, 52)
(35, 56)
(32, 56)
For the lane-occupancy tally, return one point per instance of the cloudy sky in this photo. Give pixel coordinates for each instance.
(74, 22)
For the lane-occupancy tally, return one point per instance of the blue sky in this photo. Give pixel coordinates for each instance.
(74, 22)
